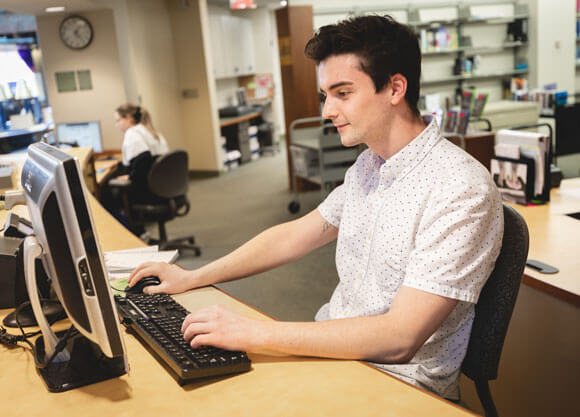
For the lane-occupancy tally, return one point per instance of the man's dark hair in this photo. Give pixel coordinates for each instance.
(384, 46)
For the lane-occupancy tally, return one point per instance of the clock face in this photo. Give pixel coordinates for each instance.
(76, 32)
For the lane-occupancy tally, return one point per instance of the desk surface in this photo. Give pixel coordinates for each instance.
(104, 168)
(33, 130)
(227, 121)
(554, 240)
(276, 385)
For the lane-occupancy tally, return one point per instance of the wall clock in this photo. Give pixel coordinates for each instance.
(76, 32)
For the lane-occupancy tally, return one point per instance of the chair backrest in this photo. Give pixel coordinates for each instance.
(168, 176)
(496, 301)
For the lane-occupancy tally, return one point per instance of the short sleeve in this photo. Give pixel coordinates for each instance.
(331, 208)
(133, 145)
(457, 242)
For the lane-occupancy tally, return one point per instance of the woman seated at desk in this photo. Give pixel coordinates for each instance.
(141, 145)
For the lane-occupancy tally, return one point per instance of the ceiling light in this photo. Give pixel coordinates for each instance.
(55, 9)
(283, 3)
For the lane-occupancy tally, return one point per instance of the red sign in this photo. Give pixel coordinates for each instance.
(242, 4)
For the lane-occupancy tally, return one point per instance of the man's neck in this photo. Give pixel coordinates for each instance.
(402, 129)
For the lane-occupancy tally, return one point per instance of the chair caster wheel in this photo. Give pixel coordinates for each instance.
(294, 207)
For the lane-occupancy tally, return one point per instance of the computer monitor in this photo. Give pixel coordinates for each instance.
(567, 129)
(66, 241)
(84, 134)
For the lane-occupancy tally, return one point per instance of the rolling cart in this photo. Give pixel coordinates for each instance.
(318, 156)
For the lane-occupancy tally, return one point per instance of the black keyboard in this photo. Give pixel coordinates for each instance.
(156, 319)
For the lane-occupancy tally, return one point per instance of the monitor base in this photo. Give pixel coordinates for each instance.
(87, 365)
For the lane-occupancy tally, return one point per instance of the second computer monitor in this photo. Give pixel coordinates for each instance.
(83, 134)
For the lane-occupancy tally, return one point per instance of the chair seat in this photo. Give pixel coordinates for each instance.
(164, 199)
(152, 212)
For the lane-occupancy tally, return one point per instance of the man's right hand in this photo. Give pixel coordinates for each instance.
(174, 279)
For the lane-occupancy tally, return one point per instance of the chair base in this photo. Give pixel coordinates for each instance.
(181, 243)
(184, 243)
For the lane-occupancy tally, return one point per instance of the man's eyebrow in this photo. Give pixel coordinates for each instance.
(336, 85)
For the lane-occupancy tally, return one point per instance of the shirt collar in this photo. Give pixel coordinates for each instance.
(407, 158)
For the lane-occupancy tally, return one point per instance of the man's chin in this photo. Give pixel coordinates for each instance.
(348, 142)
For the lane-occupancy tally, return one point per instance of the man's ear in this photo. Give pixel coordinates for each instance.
(398, 88)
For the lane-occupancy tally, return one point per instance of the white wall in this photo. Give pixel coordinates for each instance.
(150, 67)
(199, 116)
(556, 43)
(101, 57)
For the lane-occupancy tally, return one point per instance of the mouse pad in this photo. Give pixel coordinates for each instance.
(118, 286)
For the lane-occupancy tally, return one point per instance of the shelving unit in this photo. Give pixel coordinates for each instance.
(460, 78)
(476, 49)
(501, 58)
(460, 52)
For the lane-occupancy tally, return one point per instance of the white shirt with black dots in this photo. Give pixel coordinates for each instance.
(429, 218)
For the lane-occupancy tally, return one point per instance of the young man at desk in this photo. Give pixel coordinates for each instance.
(419, 226)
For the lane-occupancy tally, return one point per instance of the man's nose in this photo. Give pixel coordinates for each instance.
(328, 110)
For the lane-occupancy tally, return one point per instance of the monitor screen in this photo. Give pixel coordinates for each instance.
(85, 134)
(567, 129)
(64, 228)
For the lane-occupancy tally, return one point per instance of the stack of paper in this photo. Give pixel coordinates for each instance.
(121, 263)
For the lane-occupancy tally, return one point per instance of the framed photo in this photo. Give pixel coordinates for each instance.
(514, 178)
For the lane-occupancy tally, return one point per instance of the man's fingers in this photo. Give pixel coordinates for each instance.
(141, 271)
(201, 340)
(198, 316)
(195, 330)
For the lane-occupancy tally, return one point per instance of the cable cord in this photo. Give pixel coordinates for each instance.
(70, 333)
(13, 339)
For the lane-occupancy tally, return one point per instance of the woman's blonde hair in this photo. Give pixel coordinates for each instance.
(139, 115)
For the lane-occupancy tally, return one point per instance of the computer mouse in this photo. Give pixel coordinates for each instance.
(144, 282)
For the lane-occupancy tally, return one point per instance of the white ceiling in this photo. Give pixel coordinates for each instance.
(36, 7)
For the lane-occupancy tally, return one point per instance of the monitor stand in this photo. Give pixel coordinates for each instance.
(64, 366)
(52, 309)
(87, 365)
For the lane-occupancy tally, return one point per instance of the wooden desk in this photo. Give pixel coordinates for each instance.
(104, 169)
(276, 385)
(228, 121)
(555, 239)
(235, 130)
(538, 372)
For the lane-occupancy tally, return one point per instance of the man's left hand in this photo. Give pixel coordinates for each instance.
(222, 328)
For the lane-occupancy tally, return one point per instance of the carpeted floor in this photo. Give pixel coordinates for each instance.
(228, 210)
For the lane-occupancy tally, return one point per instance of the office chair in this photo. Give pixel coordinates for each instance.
(494, 309)
(167, 181)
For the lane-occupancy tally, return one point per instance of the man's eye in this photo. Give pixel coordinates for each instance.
(322, 97)
(343, 94)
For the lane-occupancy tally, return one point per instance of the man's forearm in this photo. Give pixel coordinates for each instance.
(263, 252)
(274, 247)
(367, 338)
(392, 337)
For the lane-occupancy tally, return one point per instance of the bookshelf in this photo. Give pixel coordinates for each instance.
(474, 33)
